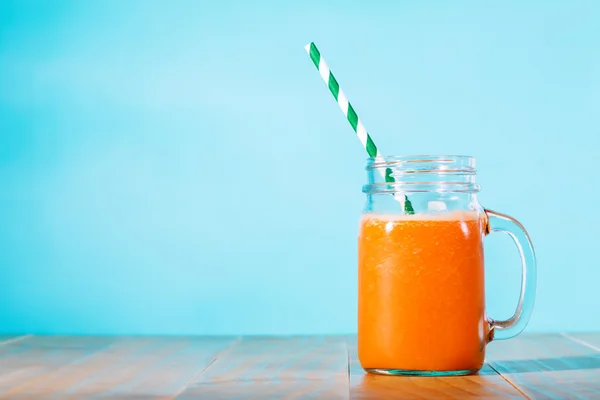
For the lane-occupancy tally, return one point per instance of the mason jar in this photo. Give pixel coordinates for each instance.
(421, 297)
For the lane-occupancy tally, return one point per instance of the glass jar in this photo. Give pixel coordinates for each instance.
(421, 300)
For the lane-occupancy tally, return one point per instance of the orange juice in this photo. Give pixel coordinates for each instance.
(421, 303)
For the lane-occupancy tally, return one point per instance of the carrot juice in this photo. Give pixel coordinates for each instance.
(421, 304)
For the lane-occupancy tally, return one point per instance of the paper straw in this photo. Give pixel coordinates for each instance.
(351, 115)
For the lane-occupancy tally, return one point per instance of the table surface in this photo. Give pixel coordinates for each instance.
(298, 367)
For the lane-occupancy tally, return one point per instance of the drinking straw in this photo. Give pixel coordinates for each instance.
(348, 110)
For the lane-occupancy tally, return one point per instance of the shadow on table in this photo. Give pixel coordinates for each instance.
(548, 364)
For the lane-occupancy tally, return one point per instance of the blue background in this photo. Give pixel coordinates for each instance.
(180, 167)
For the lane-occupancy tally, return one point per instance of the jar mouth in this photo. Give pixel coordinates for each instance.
(424, 162)
(421, 173)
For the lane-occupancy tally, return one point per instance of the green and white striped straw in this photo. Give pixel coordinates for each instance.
(348, 110)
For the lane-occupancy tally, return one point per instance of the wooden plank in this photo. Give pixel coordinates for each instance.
(588, 339)
(290, 367)
(34, 359)
(487, 384)
(271, 389)
(7, 339)
(548, 366)
(540, 366)
(143, 367)
(170, 375)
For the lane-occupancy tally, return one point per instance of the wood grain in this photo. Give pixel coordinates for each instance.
(34, 359)
(548, 366)
(32, 367)
(286, 368)
(125, 368)
(488, 384)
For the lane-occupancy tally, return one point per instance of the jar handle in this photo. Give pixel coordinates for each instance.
(511, 327)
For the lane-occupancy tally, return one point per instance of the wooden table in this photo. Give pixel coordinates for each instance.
(54, 367)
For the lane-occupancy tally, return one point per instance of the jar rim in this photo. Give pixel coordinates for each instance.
(381, 160)
(421, 173)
